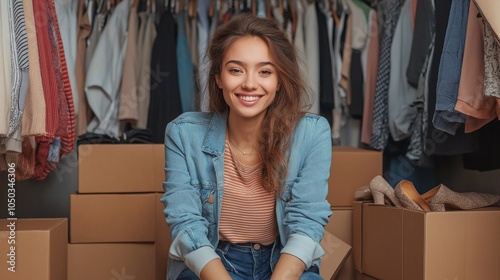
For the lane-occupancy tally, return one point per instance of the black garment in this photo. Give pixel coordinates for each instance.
(422, 39)
(487, 157)
(325, 64)
(439, 142)
(357, 85)
(165, 101)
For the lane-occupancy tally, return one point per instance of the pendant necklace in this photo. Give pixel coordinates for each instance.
(243, 152)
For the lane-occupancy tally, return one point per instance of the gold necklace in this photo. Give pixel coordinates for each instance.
(243, 152)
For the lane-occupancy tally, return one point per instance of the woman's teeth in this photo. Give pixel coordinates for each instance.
(249, 98)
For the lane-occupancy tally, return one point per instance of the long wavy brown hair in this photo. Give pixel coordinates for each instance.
(289, 105)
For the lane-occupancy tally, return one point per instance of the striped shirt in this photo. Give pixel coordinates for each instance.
(248, 210)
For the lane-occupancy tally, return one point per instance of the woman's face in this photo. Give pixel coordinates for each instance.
(248, 78)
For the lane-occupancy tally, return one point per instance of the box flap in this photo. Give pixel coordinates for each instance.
(336, 253)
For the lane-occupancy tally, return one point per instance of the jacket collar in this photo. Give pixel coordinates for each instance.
(214, 142)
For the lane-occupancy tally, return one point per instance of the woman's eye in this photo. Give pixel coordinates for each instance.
(266, 72)
(235, 70)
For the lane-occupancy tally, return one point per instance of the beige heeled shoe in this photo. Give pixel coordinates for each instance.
(363, 193)
(409, 197)
(382, 192)
(465, 201)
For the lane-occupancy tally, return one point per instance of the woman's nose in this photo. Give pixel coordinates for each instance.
(249, 82)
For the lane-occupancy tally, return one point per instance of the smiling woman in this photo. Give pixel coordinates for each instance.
(246, 184)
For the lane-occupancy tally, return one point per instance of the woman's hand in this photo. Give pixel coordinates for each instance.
(289, 267)
(214, 270)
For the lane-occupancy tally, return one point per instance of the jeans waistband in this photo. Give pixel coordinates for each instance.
(248, 246)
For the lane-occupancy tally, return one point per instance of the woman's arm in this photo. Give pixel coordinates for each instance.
(183, 206)
(306, 209)
(215, 270)
(289, 267)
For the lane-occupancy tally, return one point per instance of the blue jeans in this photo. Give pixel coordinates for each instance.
(248, 262)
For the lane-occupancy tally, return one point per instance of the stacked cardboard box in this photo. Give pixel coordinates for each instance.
(33, 249)
(350, 169)
(117, 219)
(117, 226)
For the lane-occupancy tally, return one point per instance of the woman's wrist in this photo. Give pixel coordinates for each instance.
(288, 267)
(215, 270)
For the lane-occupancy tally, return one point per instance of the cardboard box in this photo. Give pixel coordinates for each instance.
(162, 240)
(121, 168)
(340, 224)
(336, 253)
(107, 261)
(103, 218)
(347, 271)
(40, 249)
(397, 243)
(359, 276)
(351, 168)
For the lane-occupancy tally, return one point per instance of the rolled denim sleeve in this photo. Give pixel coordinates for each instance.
(183, 207)
(306, 209)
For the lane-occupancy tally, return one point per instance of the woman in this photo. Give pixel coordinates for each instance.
(246, 183)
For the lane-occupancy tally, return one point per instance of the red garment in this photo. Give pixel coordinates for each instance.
(60, 119)
(66, 129)
(47, 52)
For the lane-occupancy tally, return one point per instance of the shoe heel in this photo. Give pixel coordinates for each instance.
(378, 197)
(382, 192)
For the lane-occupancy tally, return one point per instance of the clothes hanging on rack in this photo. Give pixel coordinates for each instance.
(471, 101)
(437, 141)
(127, 106)
(380, 129)
(185, 66)
(103, 78)
(165, 103)
(445, 117)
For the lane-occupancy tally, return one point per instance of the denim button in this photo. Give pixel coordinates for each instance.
(211, 199)
(256, 246)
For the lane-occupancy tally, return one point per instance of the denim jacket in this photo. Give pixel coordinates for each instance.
(194, 186)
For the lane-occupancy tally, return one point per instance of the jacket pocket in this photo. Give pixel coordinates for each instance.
(208, 201)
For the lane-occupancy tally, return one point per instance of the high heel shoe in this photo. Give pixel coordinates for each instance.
(381, 190)
(406, 193)
(363, 193)
(467, 200)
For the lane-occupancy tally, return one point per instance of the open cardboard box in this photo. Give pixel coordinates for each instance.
(351, 168)
(336, 254)
(401, 244)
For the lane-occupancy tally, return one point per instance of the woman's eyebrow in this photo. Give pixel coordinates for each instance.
(260, 64)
